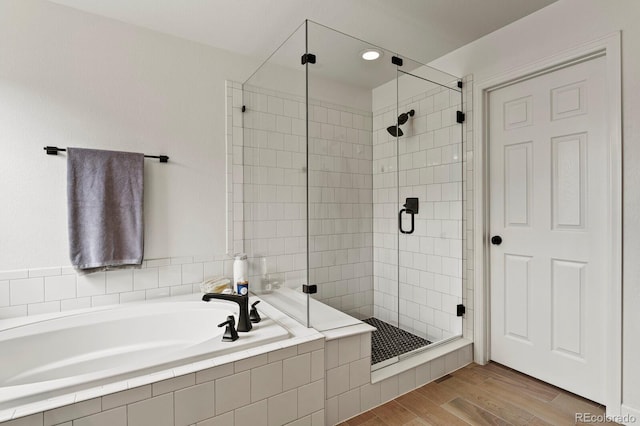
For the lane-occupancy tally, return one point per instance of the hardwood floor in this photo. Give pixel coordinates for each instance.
(481, 395)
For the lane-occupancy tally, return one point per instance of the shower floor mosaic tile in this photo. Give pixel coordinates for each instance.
(389, 341)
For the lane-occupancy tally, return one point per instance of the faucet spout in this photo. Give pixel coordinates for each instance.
(244, 324)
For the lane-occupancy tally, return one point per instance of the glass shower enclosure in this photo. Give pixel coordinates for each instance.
(352, 189)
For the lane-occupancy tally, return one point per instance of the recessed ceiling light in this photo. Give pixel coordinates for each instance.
(370, 54)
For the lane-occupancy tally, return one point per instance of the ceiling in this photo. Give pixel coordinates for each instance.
(420, 29)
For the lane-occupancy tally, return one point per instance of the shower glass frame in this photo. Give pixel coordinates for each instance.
(355, 176)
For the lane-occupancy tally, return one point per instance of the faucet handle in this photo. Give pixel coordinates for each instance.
(254, 316)
(230, 333)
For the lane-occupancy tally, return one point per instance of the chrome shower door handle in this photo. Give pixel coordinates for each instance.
(412, 221)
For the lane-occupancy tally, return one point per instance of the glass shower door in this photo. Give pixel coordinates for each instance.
(417, 198)
(430, 207)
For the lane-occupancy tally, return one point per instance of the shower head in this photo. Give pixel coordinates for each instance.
(395, 131)
(402, 118)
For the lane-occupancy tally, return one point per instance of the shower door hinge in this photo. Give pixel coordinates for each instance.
(308, 57)
(460, 116)
(460, 310)
(244, 108)
(396, 61)
(460, 84)
(309, 289)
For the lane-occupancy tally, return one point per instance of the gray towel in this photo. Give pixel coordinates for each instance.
(104, 196)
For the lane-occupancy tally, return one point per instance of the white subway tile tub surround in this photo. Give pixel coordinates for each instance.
(45, 290)
(428, 165)
(274, 178)
(210, 392)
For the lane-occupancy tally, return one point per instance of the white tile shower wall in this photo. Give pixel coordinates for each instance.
(429, 262)
(349, 390)
(340, 196)
(282, 387)
(270, 166)
(341, 208)
(37, 291)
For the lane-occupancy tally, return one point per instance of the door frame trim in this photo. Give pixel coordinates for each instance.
(609, 47)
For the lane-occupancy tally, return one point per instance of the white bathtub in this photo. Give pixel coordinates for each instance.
(45, 356)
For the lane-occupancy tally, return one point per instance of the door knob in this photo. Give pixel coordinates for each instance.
(496, 240)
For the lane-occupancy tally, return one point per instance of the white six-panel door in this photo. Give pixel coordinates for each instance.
(548, 180)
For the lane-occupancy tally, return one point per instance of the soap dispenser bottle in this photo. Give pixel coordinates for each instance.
(240, 270)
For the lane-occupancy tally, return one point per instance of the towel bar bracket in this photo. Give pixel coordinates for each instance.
(52, 150)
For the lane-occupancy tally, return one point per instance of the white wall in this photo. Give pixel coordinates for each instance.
(68, 78)
(558, 27)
